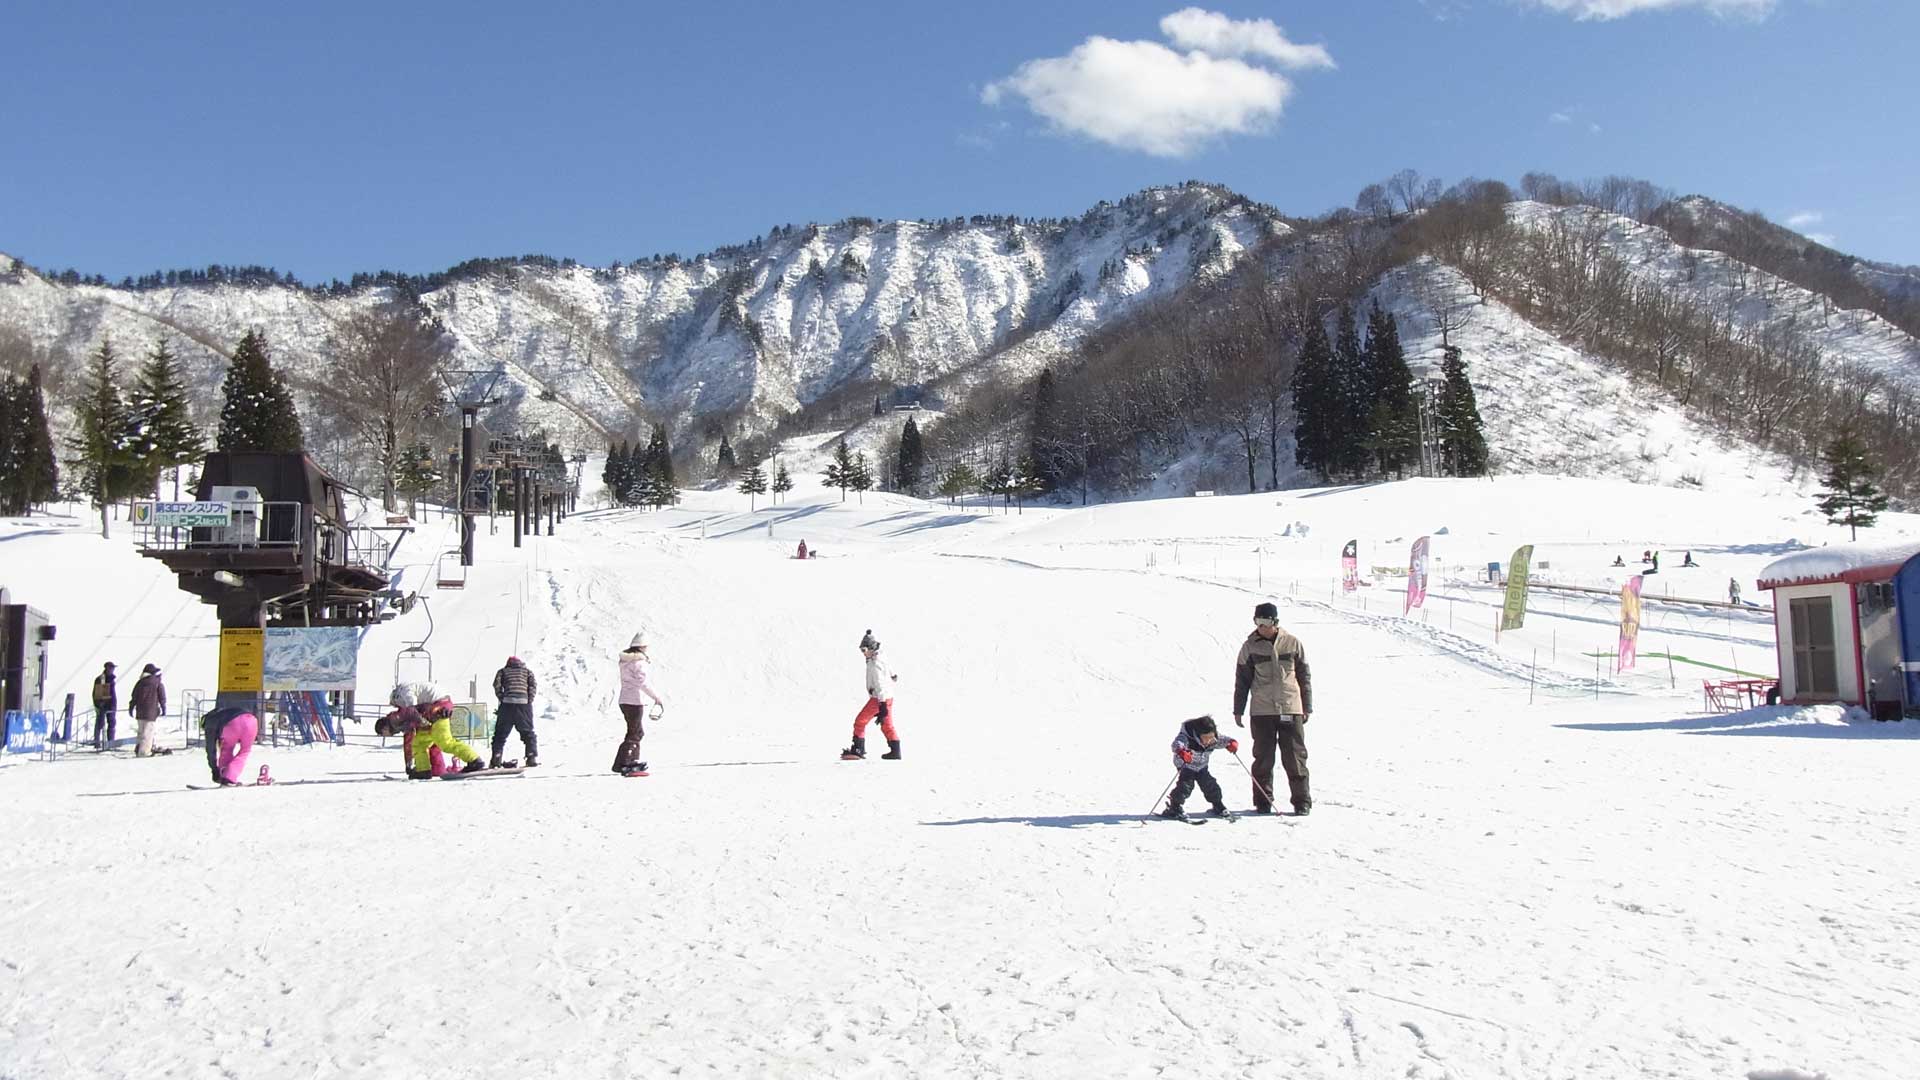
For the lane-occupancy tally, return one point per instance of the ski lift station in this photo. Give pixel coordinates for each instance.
(269, 543)
(1846, 626)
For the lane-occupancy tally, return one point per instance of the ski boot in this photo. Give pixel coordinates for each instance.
(856, 752)
(493, 762)
(1173, 813)
(637, 768)
(532, 760)
(893, 751)
(1219, 810)
(476, 765)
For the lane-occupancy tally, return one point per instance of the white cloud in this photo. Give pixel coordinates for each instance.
(1216, 35)
(1799, 222)
(1143, 95)
(1594, 128)
(1824, 239)
(1559, 118)
(1620, 9)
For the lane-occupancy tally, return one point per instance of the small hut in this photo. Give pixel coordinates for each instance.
(1846, 625)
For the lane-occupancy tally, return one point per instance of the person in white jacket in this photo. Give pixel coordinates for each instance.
(635, 692)
(879, 705)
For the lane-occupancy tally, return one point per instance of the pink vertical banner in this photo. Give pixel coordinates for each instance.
(1416, 575)
(1629, 623)
(1350, 566)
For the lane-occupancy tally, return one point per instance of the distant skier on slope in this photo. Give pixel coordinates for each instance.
(879, 705)
(1192, 748)
(635, 692)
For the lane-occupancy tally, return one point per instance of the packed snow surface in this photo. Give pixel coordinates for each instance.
(1520, 863)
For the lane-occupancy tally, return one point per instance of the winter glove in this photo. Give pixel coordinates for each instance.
(1186, 756)
(1233, 746)
(1237, 721)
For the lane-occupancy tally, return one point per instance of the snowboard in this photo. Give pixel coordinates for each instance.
(216, 787)
(515, 771)
(1194, 819)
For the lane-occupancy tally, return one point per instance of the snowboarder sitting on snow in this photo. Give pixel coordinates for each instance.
(405, 721)
(1618, 561)
(879, 705)
(1197, 741)
(436, 730)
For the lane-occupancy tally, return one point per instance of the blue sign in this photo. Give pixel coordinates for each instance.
(26, 734)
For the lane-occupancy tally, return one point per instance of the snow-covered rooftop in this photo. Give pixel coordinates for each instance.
(1840, 562)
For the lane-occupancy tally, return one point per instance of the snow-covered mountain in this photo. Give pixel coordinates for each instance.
(748, 333)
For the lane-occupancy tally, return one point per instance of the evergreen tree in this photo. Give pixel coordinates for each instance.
(13, 446)
(1314, 405)
(167, 437)
(1352, 399)
(659, 465)
(1849, 496)
(782, 483)
(753, 483)
(840, 470)
(1393, 425)
(726, 462)
(959, 480)
(1463, 439)
(913, 459)
(1045, 447)
(614, 473)
(108, 468)
(999, 481)
(877, 410)
(418, 475)
(40, 479)
(861, 478)
(257, 411)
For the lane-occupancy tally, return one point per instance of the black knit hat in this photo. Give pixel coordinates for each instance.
(1266, 609)
(868, 641)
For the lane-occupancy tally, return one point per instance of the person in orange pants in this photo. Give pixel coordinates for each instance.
(879, 705)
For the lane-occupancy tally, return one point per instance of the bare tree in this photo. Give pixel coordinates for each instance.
(382, 378)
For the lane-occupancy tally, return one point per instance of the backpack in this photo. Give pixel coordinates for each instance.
(102, 690)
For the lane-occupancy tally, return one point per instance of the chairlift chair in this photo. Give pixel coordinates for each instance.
(449, 573)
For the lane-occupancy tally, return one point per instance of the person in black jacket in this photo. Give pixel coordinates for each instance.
(514, 686)
(106, 702)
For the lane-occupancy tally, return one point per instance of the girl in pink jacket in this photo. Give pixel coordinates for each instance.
(635, 692)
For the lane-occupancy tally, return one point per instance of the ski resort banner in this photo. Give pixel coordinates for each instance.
(1514, 612)
(310, 658)
(1350, 566)
(1417, 575)
(183, 514)
(1629, 623)
(240, 660)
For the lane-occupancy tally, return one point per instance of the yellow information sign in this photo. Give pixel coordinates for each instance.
(242, 654)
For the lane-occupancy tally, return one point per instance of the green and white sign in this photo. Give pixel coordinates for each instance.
(184, 515)
(1514, 612)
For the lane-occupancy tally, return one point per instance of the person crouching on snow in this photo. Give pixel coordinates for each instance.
(229, 735)
(436, 731)
(1192, 748)
(404, 721)
(635, 692)
(879, 705)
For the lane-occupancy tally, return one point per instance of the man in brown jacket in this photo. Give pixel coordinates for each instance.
(1271, 674)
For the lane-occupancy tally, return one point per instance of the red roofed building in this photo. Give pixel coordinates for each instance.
(1846, 625)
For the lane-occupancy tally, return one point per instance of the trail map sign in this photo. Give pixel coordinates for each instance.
(310, 658)
(184, 515)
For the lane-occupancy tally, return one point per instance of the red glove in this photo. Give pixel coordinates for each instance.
(1186, 756)
(1233, 746)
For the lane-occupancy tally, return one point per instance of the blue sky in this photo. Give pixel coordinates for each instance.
(327, 139)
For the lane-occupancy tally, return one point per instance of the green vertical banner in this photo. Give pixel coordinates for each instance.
(1514, 612)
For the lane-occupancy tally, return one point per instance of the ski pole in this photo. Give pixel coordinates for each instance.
(1257, 786)
(1162, 795)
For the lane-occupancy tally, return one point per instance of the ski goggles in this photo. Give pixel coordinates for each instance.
(1262, 620)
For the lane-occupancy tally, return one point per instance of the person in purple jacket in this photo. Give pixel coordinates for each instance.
(635, 692)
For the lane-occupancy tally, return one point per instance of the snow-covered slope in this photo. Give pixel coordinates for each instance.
(1509, 873)
(1750, 298)
(1549, 408)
